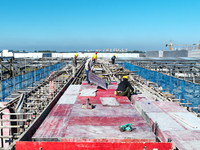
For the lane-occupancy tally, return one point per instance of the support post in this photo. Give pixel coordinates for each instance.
(1, 130)
(1, 79)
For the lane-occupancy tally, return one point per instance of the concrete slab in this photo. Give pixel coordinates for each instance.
(109, 101)
(196, 134)
(184, 140)
(147, 106)
(112, 87)
(69, 122)
(72, 90)
(86, 86)
(93, 100)
(99, 110)
(61, 110)
(107, 121)
(67, 99)
(88, 92)
(165, 122)
(186, 119)
(107, 132)
(169, 106)
(52, 127)
(127, 106)
(108, 93)
(122, 99)
(139, 97)
(174, 122)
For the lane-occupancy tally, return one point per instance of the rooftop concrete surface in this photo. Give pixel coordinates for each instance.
(174, 122)
(69, 122)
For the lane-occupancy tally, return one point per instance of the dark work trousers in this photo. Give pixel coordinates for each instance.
(113, 61)
(125, 93)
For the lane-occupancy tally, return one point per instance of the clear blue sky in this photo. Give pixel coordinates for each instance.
(66, 25)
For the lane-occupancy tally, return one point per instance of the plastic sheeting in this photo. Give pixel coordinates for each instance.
(26, 80)
(181, 89)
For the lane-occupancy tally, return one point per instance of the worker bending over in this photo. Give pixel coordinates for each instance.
(74, 64)
(124, 88)
(89, 65)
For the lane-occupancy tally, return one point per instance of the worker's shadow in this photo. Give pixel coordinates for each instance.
(93, 106)
(133, 129)
(98, 87)
(134, 94)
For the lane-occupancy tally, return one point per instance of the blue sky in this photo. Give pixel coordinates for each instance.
(66, 25)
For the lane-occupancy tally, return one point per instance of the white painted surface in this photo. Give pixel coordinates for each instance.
(88, 92)
(187, 119)
(109, 101)
(72, 90)
(28, 55)
(165, 122)
(67, 99)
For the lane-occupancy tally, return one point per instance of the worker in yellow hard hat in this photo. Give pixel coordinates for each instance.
(74, 64)
(125, 77)
(96, 57)
(89, 65)
(113, 59)
(124, 88)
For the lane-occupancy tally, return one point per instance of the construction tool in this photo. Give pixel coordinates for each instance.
(126, 127)
(87, 105)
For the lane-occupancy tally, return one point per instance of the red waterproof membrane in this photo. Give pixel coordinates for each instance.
(69, 126)
(70, 122)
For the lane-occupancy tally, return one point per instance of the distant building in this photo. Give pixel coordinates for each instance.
(6, 53)
(47, 55)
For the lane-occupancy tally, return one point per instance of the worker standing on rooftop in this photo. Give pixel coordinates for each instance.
(74, 64)
(124, 88)
(113, 59)
(89, 65)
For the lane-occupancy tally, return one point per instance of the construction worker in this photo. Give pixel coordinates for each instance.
(113, 59)
(89, 65)
(74, 64)
(124, 88)
(95, 59)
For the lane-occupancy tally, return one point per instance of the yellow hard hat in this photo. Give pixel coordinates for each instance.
(114, 55)
(76, 54)
(125, 77)
(94, 56)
